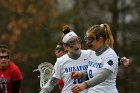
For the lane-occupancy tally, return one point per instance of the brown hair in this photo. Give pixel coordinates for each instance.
(104, 31)
(4, 50)
(3, 46)
(65, 29)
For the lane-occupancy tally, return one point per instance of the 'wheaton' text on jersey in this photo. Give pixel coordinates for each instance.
(76, 68)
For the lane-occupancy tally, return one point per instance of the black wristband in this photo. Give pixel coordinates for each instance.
(120, 61)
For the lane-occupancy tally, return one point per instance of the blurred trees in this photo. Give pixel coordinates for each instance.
(27, 26)
(32, 28)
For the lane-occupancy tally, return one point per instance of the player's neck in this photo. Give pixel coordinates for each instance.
(74, 55)
(100, 50)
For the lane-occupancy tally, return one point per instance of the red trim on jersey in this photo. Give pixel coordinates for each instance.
(60, 83)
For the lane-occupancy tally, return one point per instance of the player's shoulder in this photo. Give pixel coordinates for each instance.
(86, 51)
(109, 53)
(63, 58)
(85, 54)
(13, 67)
(12, 64)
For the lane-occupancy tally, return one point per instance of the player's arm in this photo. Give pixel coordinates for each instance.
(48, 87)
(16, 86)
(84, 75)
(79, 74)
(98, 78)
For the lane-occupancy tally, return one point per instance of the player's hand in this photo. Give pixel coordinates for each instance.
(79, 87)
(125, 61)
(42, 91)
(76, 75)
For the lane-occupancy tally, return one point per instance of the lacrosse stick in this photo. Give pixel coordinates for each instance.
(46, 72)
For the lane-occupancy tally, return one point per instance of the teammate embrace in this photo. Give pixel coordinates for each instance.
(87, 71)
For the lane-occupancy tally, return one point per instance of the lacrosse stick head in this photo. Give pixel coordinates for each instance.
(46, 72)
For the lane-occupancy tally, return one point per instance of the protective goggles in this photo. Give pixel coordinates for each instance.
(74, 42)
(89, 39)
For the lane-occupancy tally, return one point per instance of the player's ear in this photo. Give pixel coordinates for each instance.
(65, 47)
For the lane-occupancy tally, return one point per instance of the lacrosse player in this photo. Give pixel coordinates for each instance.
(60, 51)
(75, 60)
(103, 64)
(10, 75)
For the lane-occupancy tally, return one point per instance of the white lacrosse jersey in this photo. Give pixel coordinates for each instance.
(65, 65)
(109, 60)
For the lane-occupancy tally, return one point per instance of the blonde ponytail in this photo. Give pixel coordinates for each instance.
(109, 37)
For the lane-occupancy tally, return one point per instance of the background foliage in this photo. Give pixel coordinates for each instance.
(32, 28)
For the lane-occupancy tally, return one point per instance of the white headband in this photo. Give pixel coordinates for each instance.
(68, 36)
